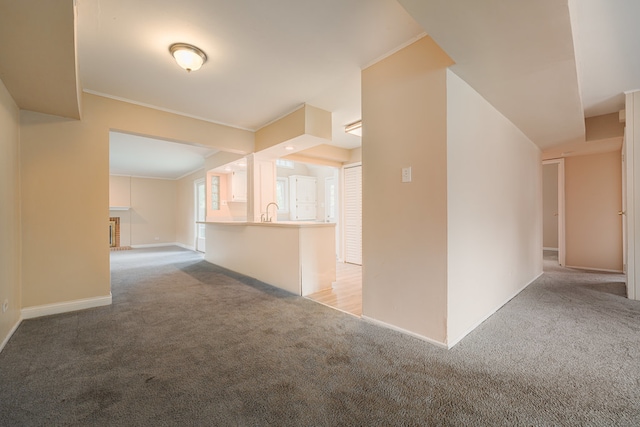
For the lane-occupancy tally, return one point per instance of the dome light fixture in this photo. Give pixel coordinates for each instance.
(188, 56)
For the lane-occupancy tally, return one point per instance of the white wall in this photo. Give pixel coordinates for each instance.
(9, 214)
(494, 209)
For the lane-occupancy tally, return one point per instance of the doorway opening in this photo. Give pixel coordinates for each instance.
(553, 210)
(345, 293)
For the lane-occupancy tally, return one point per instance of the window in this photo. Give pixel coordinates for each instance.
(286, 164)
(215, 193)
(282, 194)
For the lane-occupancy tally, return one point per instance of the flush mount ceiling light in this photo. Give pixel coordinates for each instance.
(289, 148)
(354, 128)
(188, 56)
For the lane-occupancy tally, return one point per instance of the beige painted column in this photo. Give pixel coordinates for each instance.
(404, 224)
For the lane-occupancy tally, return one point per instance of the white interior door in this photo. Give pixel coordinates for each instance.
(201, 208)
(353, 215)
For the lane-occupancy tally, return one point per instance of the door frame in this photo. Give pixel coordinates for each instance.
(328, 181)
(199, 242)
(561, 210)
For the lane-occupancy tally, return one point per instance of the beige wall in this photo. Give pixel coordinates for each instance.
(593, 197)
(119, 191)
(153, 211)
(65, 192)
(355, 155)
(494, 196)
(404, 224)
(550, 206)
(9, 213)
(288, 127)
(306, 120)
(158, 211)
(603, 127)
(322, 154)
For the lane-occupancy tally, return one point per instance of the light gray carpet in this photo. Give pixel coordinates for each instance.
(187, 343)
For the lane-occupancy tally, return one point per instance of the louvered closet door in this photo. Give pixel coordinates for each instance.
(353, 214)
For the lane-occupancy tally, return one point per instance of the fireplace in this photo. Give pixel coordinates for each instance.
(114, 232)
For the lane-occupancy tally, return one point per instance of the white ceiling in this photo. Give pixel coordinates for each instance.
(607, 39)
(134, 155)
(543, 64)
(265, 58)
(518, 55)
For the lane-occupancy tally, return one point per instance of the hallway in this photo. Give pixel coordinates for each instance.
(609, 283)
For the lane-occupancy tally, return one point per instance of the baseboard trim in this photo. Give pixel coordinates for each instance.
(602, 270)
(65, 307)
(163, 245)
(492, 312)
(10, 334)
(404, 331)
(183, 246)
(153, 245)
(550, 249)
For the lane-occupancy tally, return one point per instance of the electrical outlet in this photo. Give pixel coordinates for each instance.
(5, 306)
(406, 174)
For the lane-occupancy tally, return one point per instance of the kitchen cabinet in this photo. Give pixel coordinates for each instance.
(302, 198)
(238, 186)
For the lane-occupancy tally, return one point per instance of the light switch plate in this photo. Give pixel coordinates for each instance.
(406, 174)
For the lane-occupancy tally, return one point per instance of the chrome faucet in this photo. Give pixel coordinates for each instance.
(265, 216)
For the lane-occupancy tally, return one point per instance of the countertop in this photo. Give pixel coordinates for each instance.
(288, 224)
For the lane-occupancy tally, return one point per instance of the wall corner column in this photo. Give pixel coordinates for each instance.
(632, 181)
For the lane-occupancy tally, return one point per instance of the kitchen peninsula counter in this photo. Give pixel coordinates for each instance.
(298, 256)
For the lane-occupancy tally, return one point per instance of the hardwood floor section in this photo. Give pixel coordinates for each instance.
(346, 292)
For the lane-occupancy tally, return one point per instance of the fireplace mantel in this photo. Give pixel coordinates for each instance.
(119, 208)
